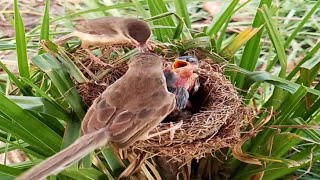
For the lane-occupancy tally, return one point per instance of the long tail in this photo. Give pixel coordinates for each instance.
(68, 156)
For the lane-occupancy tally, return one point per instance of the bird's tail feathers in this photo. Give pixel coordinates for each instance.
(68, 156)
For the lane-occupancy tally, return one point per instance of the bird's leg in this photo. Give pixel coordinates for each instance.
(145, 47)
(148, 45)
(93, 57)
(96, 59)
(171, 130)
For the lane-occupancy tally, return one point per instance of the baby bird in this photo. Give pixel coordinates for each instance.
(181, 80)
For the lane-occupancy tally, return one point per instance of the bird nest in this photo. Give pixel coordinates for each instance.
(218, 113)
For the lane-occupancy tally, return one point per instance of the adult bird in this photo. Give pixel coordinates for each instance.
(124, 113)
(110, 30)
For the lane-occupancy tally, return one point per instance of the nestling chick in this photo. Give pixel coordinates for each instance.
(124, 113)
(182, 94)
(109, 31)
(193, 80)
(181, 80)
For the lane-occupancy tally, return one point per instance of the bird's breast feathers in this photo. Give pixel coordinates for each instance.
(92, 39)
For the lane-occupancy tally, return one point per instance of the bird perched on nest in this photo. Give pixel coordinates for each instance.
(181, 79)
(124, 113)
(109, 31)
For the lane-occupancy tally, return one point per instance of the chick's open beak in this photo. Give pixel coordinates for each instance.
(183, 68)
(179, 64)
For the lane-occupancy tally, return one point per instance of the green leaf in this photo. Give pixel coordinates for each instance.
(61, 55)
(85, 174)
(20, 85)
(62, 81)
(182, 11)
(156, 8)
(41, 105)
(45, 31)
(113, 161)
(21, 42)
(8, 173)
(27, 127)
(275, 36)
(221, 18)
(252, 49)
(308, 56)
(234, 45)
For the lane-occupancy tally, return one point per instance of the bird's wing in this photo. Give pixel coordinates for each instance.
(131, 124)
(98, 115)
(99, 26)
(146, 120)
(124, 124)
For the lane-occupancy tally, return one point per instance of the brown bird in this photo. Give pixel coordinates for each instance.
(109, 31)
(124, 113)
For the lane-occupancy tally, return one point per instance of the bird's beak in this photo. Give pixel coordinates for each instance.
(179, 63)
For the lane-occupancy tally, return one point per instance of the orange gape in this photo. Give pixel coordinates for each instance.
(181, 80)
(185, 72)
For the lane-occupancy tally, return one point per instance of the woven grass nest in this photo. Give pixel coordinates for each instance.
(218, 113)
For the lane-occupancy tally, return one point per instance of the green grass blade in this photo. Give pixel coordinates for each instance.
(71, 134)
(275, 37)
(62, 81)
(160, 7)
(41, 105)
(113, 161)
(182, 11)
(45, 31)
(142, 11)
(16, 81)
(278, 44)
(8, 173)
(61, 55)
(235, 44)
(35, 132)
(302, 23)
(252, 49)
(221, 18)
(308, 56)
(276, 171)
(21, 43)
(85, 174)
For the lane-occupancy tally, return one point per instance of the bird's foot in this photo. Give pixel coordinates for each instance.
(97, 60)
(171, 130)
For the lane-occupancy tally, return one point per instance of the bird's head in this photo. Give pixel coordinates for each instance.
(190, 59)
(146, 61)
(138, 30)
(185, 65)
